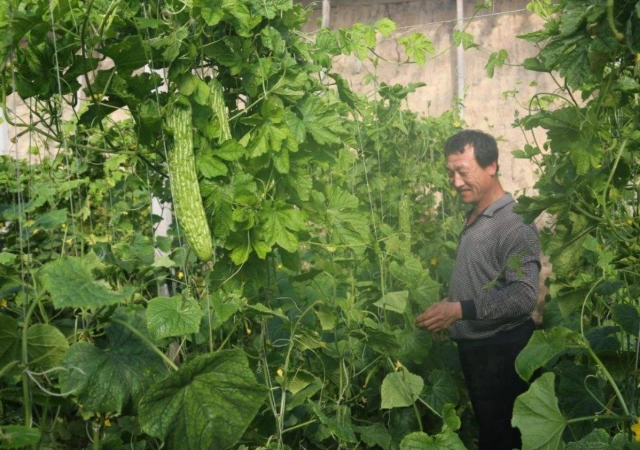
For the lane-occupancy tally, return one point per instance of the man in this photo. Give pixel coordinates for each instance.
(493, 289)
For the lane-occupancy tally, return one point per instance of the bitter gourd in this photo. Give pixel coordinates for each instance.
(404, 224)
(216, 100)
(185, 190)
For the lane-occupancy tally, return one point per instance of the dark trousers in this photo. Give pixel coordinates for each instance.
(493, 385)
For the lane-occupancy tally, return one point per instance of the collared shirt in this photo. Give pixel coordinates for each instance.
(496, 272)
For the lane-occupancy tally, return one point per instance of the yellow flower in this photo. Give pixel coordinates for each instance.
(434, 261)
(635, 428)
(3, 303)
(399, 365)
(280, 372)
(180, 275)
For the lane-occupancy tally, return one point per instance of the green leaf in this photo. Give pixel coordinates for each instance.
(230, 151)
(210, 166)
(112, 373)
(173, 316)
(418, 440)
(496, 59)
(400, 389)
(223, 306)
(465, 39)
(339, 426)
(538, 417)
(7, 259)
(272, 8)
(18, 436)
(71, 285)
(46, 346)
(440, 390)
(9, 340)
(417, 46)
(415, 344)
(394, 301)
(385, 27)
(211, 12)
(545, 345)
(450, 417)
(598, 439)
(128, 53)
(51, 220)
(208, 403)
(378, 338)
(321, 121)
(627, 317)
(280, 222)
(375, 435)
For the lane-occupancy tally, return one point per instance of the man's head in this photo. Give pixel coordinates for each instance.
(472, 165)
(484, 146)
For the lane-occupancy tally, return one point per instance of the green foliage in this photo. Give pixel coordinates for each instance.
(588, 188)
(193, 409)
(299, 329)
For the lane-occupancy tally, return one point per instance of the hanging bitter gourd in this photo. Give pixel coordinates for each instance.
(404, 224)
(216, 101)
(185, 190)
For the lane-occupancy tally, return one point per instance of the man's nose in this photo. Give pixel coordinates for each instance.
(456, 180)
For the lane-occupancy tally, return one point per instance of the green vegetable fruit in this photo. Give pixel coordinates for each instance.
(219, 109)
(187, 201)
(404, 223)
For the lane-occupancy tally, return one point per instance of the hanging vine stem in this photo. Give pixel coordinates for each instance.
(605, 192)
(611, 20)
(610, 379)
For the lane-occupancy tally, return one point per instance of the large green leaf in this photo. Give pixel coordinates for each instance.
(338, 425)
(538, 417)
(321, 120)
(415, 344)
(599, 439)
(71, 285)
(9, 340)
(106, 376)
(393, 301)
(400, 389)
(173, 316)
(46, 346)
(447, 440)
(375, 435)
(18, 436)
(280, 222)
(208, 403)
(544, 346)
(440, 390)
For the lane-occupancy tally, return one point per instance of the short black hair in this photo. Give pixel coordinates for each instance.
(485, 147)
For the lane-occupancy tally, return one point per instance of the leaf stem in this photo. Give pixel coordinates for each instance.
(609, 378)
(147, 341)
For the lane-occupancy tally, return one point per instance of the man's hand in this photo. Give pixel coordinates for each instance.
(440, 316)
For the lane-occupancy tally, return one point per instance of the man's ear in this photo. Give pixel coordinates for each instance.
(493, 168)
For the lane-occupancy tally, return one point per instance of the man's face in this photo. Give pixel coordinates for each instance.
(472, 182)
